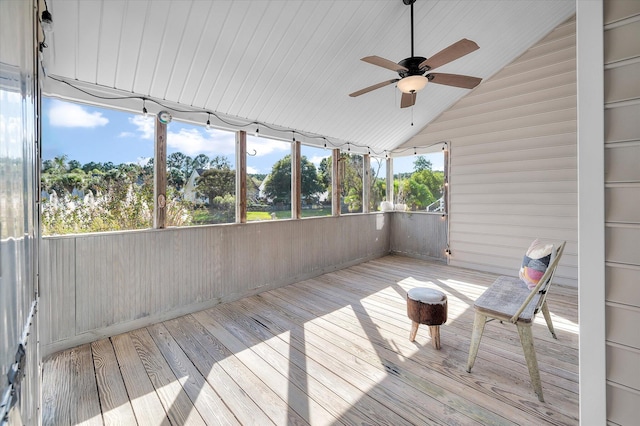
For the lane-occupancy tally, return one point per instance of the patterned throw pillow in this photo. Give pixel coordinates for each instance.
(535, 263)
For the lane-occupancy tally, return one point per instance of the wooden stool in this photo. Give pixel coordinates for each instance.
(427, 306)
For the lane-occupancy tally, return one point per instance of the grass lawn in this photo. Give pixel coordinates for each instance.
(286, 214)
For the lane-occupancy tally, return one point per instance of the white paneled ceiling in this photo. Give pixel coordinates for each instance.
(287, 63)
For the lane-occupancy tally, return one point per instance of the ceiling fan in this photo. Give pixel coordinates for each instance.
(412, 70)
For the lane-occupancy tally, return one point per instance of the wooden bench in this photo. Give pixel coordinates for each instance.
(509, 299)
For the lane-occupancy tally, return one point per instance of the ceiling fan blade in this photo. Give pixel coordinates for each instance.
(408, 99)
(384, 63)
(451, 53)
(374, 87)
(456, 80)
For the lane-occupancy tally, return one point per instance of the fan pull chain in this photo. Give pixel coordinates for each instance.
(412, 106)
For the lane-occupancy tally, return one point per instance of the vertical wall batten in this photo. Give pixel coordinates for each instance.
(97, 285)
(622, 208)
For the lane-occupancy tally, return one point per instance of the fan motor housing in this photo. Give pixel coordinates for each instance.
(412, 64)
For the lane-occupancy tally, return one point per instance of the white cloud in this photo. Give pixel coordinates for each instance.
(317, 159)
(143, 125)
(143, 161)
(126, 135)
(193, 142)
(252, 170)
(263, 146)
(64, 114)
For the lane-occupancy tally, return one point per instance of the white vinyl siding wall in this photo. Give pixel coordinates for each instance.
(513, 175)
(622, 208)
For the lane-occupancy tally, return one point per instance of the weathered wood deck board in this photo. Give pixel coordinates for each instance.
(393, 309)
(351, 318)
(208, 403)
(115, 404)
(144, 400)
(333, 324)
(329, 350)
(395, 394)
(203, 356)
(173, 398)
(282, 382)
(283, 339)
(71, 378)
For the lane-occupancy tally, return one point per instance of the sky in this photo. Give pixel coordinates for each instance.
(87, 133)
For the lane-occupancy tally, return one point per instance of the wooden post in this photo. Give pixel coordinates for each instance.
(390, 180)
(335, 183)
(445, 193)
(296, 180)
(241, 176)
(366, 183)
(160, 175)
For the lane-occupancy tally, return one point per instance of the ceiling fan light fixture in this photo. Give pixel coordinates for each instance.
(412, 83)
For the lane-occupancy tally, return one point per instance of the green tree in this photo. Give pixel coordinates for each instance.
(278, 183)
(277, 186)
(377, 185)
(178, 166)
(216, 183)
(148, 167)
(417, 195)
(91, 167)
(74, 164)
(258, 177)
(351, 171)
(324, 173)
(311, 186)
(178, 160)
(421, 164)
(200, 161)
(47, 165)
(420, 189)
(219, 162)
(55, 176)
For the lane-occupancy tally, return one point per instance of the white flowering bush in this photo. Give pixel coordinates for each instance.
(120, 207)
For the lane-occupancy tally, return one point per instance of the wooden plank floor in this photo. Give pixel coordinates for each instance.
(329, 350)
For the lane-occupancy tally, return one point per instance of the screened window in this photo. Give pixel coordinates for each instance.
(97, 169)
(419, 182)
(315, 165)
(201, 175)
(268, 179)
(350, 167)
(378, 187)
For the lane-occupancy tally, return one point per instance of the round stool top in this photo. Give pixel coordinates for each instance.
(427, 295)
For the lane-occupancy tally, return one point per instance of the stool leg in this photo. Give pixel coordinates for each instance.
(414, 331)
(434, 332)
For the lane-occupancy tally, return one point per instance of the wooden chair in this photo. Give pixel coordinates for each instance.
(509, 299)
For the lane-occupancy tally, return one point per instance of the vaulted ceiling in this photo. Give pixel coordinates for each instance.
(290, 64)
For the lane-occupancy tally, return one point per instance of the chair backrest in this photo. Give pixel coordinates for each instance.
(543, 285)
